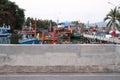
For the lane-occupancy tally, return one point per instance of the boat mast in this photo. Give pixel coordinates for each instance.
(35, 27)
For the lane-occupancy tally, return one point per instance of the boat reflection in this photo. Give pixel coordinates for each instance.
(4, 40)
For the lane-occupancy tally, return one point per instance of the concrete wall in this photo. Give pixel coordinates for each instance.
(60, 55)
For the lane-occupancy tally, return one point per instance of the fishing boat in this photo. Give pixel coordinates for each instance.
(29, 36)
(49, 38)
(4, 31)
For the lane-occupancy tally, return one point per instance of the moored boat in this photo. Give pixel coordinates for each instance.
(29, 36)
(4, 31)
(49, 38)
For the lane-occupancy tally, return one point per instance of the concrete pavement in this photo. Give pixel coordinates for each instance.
(62, 77)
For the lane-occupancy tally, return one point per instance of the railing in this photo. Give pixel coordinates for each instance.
(112, 39)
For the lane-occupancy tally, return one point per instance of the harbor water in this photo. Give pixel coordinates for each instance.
(13, 39)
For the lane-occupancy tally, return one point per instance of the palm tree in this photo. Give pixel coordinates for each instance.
(113, 18)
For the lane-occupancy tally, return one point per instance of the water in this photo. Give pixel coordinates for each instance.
(13, 39)
(5, 40)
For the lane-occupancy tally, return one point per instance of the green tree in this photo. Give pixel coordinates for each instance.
(75, 22)
(113, 18)
(28, 21)
(11, 14)
(45, 24)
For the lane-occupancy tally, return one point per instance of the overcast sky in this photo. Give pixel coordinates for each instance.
(67, 10)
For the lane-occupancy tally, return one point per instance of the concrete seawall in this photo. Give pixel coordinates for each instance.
(60, 58)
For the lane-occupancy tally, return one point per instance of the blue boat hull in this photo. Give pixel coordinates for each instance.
(30, 41)
(4, 35)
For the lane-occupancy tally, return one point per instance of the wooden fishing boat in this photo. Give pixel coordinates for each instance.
(29, 36)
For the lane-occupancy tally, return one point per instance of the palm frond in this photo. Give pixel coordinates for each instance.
(113, 17)
(107, 18)
(109, 23)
